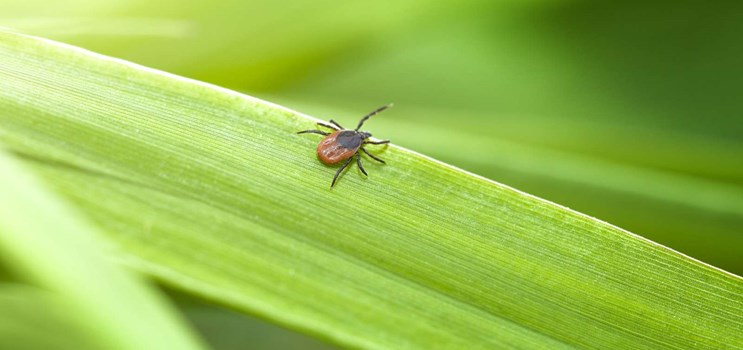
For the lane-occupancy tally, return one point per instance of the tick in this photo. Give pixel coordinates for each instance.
(343, 144)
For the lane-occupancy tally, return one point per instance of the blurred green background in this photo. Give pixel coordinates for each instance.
(629, 111)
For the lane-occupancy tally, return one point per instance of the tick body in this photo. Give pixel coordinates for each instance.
(339, 146)
(343, 144)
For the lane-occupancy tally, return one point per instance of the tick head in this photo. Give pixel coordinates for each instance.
(364, 134)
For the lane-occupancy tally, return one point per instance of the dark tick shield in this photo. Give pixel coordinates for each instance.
(344, 144)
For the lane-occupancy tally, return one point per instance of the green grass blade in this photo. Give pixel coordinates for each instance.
(48, 244)
(33, 318)
(212, 192)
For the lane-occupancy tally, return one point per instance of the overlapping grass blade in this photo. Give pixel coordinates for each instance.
(84, 301)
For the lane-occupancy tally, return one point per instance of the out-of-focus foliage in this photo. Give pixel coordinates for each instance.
(211, 192)
(74, 298)
(627, 111)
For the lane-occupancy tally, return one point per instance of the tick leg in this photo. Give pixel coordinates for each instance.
(336, 124)
(361, 122)
(358, 161)
(314, 132)
(339, 171)
(372, 156)
(376, 142)
(329, 126)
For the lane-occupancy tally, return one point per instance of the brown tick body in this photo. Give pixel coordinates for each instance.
(344, 144)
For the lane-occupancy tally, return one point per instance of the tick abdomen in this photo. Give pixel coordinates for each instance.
(339, 146)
